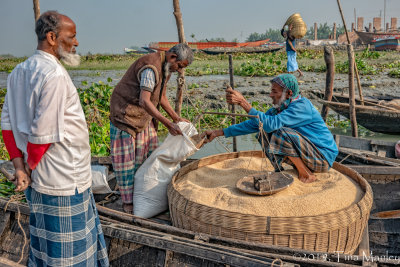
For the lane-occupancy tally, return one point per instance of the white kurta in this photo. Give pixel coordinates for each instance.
(42, 106)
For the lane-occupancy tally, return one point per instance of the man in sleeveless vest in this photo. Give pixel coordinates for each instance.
(134, 112)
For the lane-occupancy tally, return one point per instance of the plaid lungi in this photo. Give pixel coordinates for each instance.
(286, 142)
(128, 153)
(65, 230)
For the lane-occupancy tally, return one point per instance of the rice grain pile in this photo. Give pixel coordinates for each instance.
(215, 186)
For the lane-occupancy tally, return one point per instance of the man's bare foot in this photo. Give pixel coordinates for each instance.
(305, 174)
(128, 208)
(309, 178)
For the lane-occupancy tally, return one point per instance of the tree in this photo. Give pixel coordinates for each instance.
(273, 34)
(324, 31)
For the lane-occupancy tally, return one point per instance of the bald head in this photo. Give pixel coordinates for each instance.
(50, 21)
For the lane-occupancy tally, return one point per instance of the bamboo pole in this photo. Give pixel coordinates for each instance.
(330, 76)
(230, 114)
(352, 100)
(232, 106)
(181, 76)
(36, 9)
(355, 66)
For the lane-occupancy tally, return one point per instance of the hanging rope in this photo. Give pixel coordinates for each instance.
(16, 199)
(201, 117)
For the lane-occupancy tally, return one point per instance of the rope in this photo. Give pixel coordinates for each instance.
(275, 261)
(201, 117)
(16, 199)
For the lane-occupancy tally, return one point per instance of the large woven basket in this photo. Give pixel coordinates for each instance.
(336, 231)
(299, 27)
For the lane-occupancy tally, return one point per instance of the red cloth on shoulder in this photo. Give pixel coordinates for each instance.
(11, 146)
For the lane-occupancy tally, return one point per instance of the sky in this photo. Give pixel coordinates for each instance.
(107, 26)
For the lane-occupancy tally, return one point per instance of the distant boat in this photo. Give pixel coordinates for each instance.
(391, 43)
(228, 50)
(164, 46)
(134, 51)
(369, 37)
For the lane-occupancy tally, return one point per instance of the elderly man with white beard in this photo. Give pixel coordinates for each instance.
(46, 135)
(134, 113)
(292, 131)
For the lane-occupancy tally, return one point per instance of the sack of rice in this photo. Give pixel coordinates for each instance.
(297, 26)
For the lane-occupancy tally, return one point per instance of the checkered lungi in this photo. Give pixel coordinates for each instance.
(65, 230)
(128, 153)
(286, 142)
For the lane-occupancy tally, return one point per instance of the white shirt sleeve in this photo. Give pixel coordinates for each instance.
(5, 115)
(48, 123)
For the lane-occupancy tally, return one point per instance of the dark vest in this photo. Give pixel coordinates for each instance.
(125, 111)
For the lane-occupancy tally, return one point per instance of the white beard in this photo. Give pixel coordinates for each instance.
(69, 59)
(281, 100)
(166, 69)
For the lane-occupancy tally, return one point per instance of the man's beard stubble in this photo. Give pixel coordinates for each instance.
(69, 58)
(281, 100)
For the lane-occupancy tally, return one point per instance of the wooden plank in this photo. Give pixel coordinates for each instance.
(5, 222)
(4, 262)
(371, 169)
(186, 246)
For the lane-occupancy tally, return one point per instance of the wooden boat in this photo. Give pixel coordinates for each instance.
(391, 43)
(374, 118)
(228, 50)
(344, 98)
(165, 46)
(368, 37)
(135, 241)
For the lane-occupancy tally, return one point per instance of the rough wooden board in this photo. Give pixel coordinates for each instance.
(4, 262)
(186, 246)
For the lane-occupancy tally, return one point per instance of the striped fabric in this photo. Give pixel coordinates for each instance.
(65, 230)
(147, 79)
(128, 153)
(288, 142)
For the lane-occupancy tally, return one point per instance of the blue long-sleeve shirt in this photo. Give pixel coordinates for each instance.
(301, 116)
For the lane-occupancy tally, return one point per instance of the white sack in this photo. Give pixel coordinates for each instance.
(153, 177)
(100, 180)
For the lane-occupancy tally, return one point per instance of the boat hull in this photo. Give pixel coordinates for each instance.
(375, 119)
(369, 37)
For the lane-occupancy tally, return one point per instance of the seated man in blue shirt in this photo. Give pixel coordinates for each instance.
(292, 131)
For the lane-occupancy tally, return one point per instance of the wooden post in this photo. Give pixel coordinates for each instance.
(355, 66)
(334, 31)
(181, 76)
(352, 100)
(315, 31)
(232, 106)
(36, 9)
(330, 76)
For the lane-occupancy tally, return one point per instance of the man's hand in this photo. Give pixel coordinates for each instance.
(235, 98)
(22, 179)
(181, 119)
(174, 129)
(211, 135)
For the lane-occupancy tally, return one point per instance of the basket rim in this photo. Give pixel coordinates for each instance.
(365, 186)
